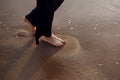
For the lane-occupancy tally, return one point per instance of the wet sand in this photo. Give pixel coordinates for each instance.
(91, 29)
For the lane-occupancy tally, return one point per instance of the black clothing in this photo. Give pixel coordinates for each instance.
(42, 17)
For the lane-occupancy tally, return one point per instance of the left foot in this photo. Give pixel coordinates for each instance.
(58, 39)
(52, 40)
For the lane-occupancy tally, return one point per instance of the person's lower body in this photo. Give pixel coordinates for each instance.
(40, 19)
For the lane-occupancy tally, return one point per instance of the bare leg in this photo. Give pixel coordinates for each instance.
(32, 27)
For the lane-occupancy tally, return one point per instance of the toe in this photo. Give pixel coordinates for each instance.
(59, 44)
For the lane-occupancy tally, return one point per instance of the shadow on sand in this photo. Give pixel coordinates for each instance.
(39, 56)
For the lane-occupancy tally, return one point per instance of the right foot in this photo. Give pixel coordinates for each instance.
(32, 26)
(52, 40)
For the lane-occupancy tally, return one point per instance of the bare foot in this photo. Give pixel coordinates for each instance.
(58, 38)
(52, 40)
(32, 26)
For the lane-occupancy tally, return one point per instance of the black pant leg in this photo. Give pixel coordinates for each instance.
(45, 19)
(42, 17)
(58, 3)
(32, 17)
